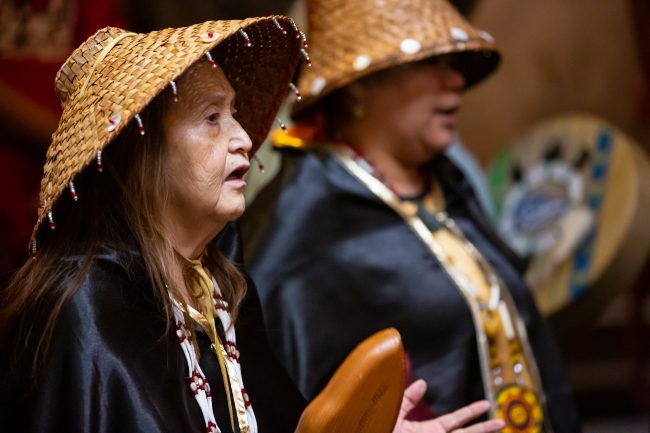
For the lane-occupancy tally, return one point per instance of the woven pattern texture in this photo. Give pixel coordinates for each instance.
(349, 39)
(117, 73)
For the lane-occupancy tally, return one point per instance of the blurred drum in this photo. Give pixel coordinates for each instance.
(573, 197)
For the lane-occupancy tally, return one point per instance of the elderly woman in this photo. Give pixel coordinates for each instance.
(130, 317)
(369, 225)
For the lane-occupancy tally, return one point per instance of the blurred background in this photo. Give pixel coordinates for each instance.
(571, 100)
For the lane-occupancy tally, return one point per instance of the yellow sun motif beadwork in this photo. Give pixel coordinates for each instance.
(520, 409)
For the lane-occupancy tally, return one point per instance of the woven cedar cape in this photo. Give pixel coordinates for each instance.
(350, 39)
(116, 72)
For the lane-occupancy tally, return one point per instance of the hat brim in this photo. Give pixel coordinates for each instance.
(475, 60)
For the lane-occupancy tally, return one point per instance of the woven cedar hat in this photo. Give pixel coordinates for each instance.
(115, 74)
(349, 39)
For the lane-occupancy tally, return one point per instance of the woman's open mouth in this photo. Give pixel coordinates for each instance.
(448, 111)
(238, 175)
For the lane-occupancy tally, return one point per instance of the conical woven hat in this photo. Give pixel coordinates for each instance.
(349, 39)
(114, 75)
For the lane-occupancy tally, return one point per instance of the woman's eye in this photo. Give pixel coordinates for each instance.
(212, 118)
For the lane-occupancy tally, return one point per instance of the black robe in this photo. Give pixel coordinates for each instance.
(112, 368)
(334, 264)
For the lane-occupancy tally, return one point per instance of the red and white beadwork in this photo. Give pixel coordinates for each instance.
(210, 59)
(182, 333)
(100, 167)
(231, 341)
(232, 351)
(282, 125)
(259, 163)
(174, 90)
(299, 33)
(140, 125)
(305, 54)
(51, 220)
(246, 38)
(113, 122)
(295, 28)
(73, 192)
(295, 91)
(219, 302)
(198, 383)
(247, 400)
(277, 24)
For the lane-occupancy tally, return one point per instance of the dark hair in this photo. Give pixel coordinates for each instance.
(122, 202)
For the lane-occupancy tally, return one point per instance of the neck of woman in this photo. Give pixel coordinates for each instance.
(190, 248)
(405, 180)
(189, 237)
(404, 177)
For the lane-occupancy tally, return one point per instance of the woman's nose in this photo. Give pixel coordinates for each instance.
(453, 80)
(239, 141)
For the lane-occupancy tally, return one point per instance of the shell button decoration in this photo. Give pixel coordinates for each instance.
(361, 62)
(210, 36)
(410, 46)
(318, 85)
(459, 34)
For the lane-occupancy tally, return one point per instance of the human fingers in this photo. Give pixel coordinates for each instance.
(490, 426)
(412, 396)
(461, 416)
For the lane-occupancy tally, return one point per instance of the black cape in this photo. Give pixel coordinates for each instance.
(112, 368)
(334, 264)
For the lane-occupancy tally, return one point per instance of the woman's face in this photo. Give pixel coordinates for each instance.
(416, 106)
(206, 155)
